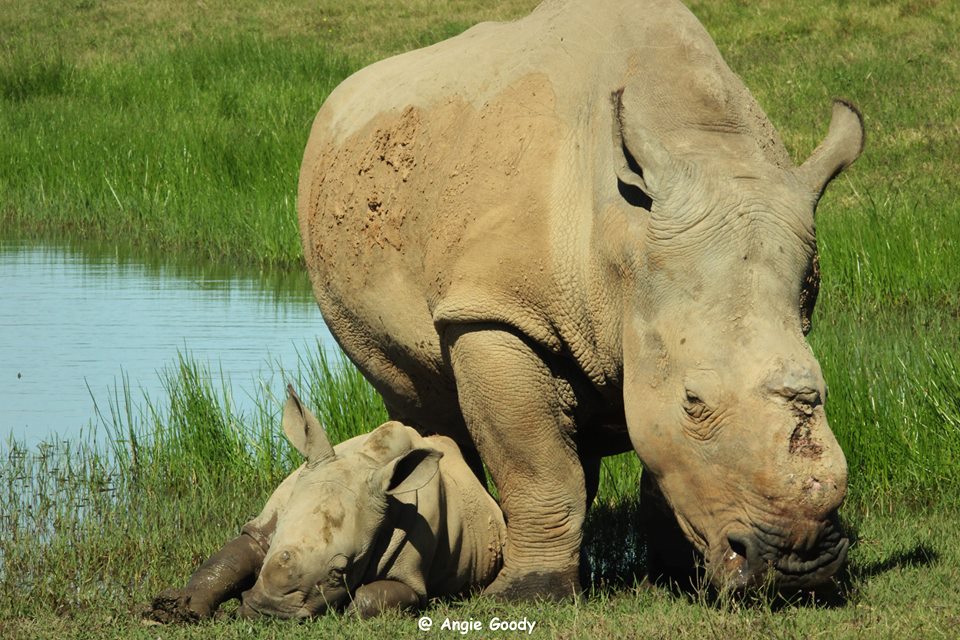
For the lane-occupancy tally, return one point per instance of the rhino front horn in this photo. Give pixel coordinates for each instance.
(304, 432)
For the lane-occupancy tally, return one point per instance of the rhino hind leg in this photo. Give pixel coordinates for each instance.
(671, 559)
(519, 414)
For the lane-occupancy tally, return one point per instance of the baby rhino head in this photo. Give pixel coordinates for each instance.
(326, 535)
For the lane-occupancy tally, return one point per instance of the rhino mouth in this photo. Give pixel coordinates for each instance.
(797, 569)
(760, 556)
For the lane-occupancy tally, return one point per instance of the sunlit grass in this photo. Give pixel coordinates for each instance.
(193, 152)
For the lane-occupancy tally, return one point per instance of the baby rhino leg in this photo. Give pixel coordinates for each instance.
(373, 599)
(228, 572)
(224, 575)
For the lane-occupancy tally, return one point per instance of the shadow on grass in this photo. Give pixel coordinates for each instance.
(855, 576)
(616, 560)
(614, 550)
(845, 588)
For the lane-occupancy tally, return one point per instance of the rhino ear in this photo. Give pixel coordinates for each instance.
(303, 430)
(843, 145)
(641, 161)
(408, 472)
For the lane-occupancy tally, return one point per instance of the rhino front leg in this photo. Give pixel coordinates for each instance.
(373, 599)
(519, 414)
(224, 575)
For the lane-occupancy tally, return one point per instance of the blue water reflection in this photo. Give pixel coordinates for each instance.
(70, 318)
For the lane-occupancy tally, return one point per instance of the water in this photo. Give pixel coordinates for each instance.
(74, 322)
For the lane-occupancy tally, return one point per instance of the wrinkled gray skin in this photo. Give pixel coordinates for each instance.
(563, 237)
(382, 521)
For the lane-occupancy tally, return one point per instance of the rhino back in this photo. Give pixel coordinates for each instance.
(458, 183)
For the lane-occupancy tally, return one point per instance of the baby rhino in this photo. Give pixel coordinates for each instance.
(382, 521)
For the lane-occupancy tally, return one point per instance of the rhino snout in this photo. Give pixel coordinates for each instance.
(259, 602)
(279, 590)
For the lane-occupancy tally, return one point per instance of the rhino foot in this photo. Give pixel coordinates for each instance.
(174, 606)
(553, 586)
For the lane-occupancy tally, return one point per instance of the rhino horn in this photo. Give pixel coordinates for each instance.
(304, 432)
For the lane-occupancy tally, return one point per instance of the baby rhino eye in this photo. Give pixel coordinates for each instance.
(337, 571)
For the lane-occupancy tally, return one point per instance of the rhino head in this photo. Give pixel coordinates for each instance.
(330, 533)
(723, 396)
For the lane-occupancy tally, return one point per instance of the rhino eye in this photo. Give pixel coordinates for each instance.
(696, 411)
(694, 406)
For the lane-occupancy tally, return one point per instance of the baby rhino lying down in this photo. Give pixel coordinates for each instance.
(382, 521)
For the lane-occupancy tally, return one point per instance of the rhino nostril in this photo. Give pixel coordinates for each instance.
(737, 547)
(737, 562)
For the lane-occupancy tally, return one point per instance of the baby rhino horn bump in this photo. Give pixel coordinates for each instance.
(303, 430)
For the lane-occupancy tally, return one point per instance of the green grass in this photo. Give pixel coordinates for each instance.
(177, 127)
(192, 151)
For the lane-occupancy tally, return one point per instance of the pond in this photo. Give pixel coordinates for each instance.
(75, 322)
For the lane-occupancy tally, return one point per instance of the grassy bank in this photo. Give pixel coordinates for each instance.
(180, 128)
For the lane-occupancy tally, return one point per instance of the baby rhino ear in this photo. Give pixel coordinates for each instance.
(409, 472)
(304, 431)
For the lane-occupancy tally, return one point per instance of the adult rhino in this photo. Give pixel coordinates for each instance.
(382, 521)
(556, 238)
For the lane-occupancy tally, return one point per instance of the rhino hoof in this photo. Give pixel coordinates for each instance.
(552, 586)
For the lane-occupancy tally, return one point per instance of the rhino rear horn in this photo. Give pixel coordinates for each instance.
(304, 432)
